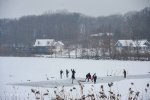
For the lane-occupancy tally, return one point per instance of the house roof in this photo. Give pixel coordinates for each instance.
(44, 42)
(101, 34)
(96, 35)
(142, 43)
(126, 43)
(59, 43)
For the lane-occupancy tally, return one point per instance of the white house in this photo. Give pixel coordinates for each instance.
(45, 46)
(44, 42)
(59, 46)
(142, 45)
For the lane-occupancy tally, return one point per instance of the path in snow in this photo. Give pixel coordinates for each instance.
(68, 82)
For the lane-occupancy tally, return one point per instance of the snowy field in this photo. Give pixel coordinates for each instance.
(27, 70)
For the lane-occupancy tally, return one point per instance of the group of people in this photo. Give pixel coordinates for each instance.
(88, 76)
(92, 78)
(67, 74)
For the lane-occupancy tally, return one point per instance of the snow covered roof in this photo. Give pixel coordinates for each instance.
(95, 35)
(47, 42)
(59, 43)
(101, 34)
(126, 43)
(44, 42)
(142, 43)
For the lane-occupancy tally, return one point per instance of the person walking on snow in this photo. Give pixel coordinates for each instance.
(94, 78)
(124, 73)
(61, 72)
(67, 72)
(88, 76)
(73, 75)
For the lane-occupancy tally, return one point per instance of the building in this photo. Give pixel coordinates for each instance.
(59, 46)
(47, 46)
(143, 46)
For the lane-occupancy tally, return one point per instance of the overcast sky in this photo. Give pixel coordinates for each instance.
(18, 8)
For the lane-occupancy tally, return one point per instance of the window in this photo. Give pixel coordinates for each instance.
(38, 42)
(48, 42)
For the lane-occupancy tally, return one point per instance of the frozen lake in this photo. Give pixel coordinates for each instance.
(36, 69)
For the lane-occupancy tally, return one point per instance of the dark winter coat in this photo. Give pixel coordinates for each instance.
(73, 74)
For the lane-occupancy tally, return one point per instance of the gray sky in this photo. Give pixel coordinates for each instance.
(18, 8)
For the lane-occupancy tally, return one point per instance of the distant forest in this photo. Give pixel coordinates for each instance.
(73, 27)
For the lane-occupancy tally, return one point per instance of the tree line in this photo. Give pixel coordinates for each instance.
(73, 28)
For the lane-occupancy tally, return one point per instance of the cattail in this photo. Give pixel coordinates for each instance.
(33, 91)
(71, 90)
(58, 97)
(45, 94)
(103, 96)
(118, 96)
(62, 90)
(147, 84)
(37, 92)
(74, 88)
(110, 84)
(47, 78)
(55, 87)
(130, 98)
(83, 97)
(37, 98)
(137, 93)
(28, 96)
(81, 88)
(101, 92)
(47, 90)
(131, 92)
(54, 92)
(146, 90)
(110, 92)
(132, 83)
(113, 97)
(102, 87)
(129, 89)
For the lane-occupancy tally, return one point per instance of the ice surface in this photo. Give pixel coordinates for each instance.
(26, 70)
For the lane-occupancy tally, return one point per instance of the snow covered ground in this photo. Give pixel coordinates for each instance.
(38, 69)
